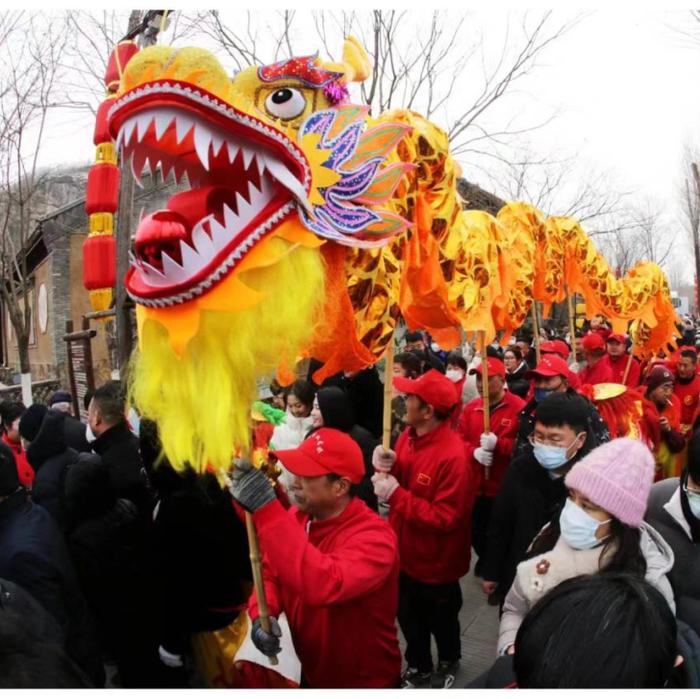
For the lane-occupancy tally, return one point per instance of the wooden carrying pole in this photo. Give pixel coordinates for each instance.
(485, 390)
(388, 376)
(572, 324)
(629, 365)
(535, 331)
(256, 567)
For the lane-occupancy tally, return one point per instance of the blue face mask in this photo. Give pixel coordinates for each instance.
(578, 528)
(693, 502)
(551, 457)
(542, 393)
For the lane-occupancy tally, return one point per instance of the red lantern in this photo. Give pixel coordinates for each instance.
(99, 262)
(121, 55)
(101, 134)
(102, 191)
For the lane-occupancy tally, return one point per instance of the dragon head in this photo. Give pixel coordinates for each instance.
(230, 277)
(273, 144)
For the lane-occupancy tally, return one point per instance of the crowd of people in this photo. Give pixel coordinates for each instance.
(583, 526)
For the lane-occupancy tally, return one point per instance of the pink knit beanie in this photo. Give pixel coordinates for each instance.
(617, 477)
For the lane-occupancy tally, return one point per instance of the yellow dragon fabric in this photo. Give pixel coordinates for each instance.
(308, 228)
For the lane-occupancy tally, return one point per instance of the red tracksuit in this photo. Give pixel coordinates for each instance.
(431, 509)
(618, 365)
(504, 424)
(599, 373)
(24, 471)
(337, 581)
(688, 395)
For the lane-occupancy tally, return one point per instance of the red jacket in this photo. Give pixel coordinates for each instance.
(337, 581)
(431, 509)
(618, 365)
(504, 424)
(600, 372)
(688, 395)
(24, 470)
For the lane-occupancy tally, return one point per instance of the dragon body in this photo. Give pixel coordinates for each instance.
(309, 228)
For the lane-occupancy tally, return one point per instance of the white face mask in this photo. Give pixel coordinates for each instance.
(693, 502)
(578, 527)
(89, 434)
(454, 375)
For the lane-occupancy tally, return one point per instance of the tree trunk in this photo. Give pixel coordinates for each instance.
(696, 232)
(125, 337)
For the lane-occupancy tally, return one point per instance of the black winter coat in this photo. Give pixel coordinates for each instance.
(119, 449)
(200, 555)
(598, 432)
(366, 393)
(33, 555)
(50, 456)
(75, 434)
(528, 500)
(517, 383)
(29, 632)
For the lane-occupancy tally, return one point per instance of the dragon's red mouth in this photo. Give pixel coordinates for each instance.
(246, 177)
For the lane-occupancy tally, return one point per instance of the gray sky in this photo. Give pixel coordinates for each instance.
(623, 85)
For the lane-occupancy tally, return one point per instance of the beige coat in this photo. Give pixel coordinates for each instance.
(564, 563)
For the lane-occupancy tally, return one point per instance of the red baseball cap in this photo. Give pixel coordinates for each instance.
(432, 388)
(323, 452)
(593, 341)
(494, 365)
(557, 347)
(617, 337)
(550, 365)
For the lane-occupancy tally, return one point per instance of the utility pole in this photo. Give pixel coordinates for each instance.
(144, 28)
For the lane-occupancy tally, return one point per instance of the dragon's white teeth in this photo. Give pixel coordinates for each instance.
(171, 269)
(219, 234)
(163, 119)
(127, 131)
(260, 162)
(138, 160)
(143, 122)
(202, 139)
(216, 143)
(202, 242)
(232, 151)
(152, 271)
(248, 155)
(279, 171)
(191, 260)
(183, 125)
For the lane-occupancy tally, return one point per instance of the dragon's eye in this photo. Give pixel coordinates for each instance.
(285, 103)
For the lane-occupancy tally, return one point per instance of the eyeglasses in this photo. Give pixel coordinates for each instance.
(538, 443)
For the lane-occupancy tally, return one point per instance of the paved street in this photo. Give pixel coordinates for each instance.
(479, 624)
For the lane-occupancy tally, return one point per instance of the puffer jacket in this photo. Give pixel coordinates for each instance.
(289, 435)
(563, 563)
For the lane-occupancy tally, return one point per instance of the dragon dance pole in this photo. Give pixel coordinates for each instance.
(535, 331)
(629, 365)
(485, 390)
(572, 324)
(256, 568)
(388, 374)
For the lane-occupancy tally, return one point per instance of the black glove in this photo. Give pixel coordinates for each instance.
(267, 643)
(250, 487)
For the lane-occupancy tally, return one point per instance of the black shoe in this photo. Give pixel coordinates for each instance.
(444, 676)
(413, 678)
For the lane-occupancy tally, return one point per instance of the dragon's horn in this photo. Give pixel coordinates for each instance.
(356, 65)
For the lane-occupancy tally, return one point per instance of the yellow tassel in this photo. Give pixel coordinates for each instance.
(101, 299)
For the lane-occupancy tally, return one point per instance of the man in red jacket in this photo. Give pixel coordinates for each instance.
(430, 488)
(332, 565)
(617, 360)
(687, 387)
(489, 453)
(596, 370)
